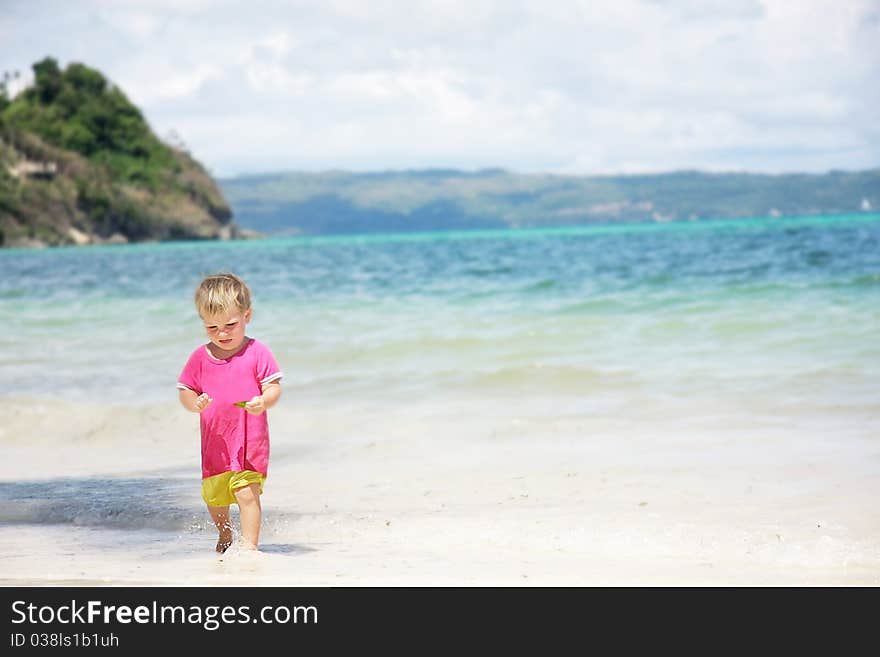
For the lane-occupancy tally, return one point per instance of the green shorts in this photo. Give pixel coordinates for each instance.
(218, 490)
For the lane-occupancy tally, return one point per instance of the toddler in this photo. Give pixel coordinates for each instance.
(231, 382)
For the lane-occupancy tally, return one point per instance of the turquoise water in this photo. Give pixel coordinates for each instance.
(774, 315)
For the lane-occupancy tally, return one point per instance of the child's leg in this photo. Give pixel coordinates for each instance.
(250, 514)
(220, 516)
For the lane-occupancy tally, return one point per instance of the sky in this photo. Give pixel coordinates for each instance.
(578, 87)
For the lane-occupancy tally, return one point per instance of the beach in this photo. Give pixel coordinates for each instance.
(356, 499)
(487, 422)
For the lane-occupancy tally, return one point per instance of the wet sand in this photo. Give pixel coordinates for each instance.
(445, 494)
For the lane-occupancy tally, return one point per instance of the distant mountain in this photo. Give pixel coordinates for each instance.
(443, 199)
(80, 165)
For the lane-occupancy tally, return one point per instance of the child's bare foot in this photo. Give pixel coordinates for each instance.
(224, 542)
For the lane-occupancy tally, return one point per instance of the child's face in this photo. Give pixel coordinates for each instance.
(226, 330)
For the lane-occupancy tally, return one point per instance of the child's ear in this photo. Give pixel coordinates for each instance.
(247, 315)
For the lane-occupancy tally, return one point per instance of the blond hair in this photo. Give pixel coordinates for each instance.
(222, 293)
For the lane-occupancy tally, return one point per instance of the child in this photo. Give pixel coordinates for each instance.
(229, 369)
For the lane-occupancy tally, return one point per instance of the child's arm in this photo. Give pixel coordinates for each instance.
(262, 403)
(193, 401)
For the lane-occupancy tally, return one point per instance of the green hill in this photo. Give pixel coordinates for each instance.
(344, 202)
(79, 164)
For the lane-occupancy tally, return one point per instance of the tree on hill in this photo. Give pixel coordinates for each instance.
(80, 164)
(77, 109)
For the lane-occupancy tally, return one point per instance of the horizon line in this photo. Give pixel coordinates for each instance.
(485, 171)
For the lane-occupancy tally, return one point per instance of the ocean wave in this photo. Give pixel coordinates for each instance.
(13, 293)
(390, 351)
(488, 272)
(95, 422)
(547, 378)
(171, 504)
(108, 502)
(472, 380)
(868, 280)
(543, 285)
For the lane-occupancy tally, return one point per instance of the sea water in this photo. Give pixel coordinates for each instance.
(783, 310)
(766, 331)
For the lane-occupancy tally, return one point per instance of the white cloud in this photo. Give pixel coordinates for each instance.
(573, 86)
(167, 83)
(279, 43)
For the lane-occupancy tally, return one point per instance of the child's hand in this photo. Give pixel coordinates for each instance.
(202, 402)
(256, 405)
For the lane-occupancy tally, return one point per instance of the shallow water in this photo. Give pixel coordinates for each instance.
(705, 308)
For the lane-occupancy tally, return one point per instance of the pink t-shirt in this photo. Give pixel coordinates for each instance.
(232, 438)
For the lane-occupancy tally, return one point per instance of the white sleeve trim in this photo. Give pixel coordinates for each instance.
(272, 377)
(180, 386)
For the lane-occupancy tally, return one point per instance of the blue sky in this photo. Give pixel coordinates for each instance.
(557, 86)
